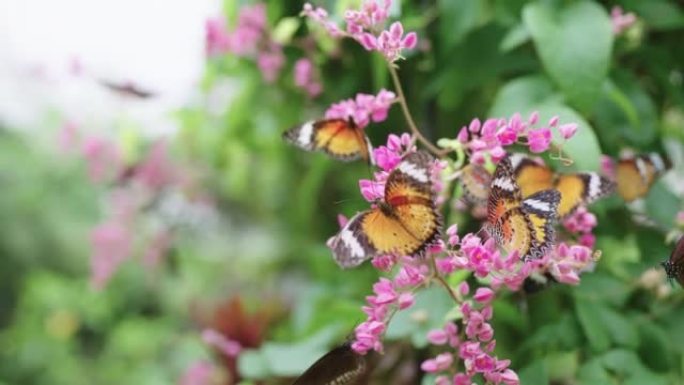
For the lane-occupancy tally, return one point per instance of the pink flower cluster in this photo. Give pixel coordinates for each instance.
(306, 77)
(366, 26)
(249, 38)
(490, 137)
(221, 343)
(473, 347)
(364, 108)
(198, 373)
(621, 20)
(582, 222)
(389, 296)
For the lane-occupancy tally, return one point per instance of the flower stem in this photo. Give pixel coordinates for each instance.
(444, 283)
(407, 114)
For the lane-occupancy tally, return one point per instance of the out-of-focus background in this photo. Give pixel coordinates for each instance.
(157, 230)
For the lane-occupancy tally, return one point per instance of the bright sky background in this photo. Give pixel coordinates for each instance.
(156, 44)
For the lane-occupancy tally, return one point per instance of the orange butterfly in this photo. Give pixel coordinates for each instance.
(636, 174)
(525, 225)
(576, 189)
(339, 138)
(404, 223)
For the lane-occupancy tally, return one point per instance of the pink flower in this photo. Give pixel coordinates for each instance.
(217, 40)
(568, 130)
(320, 16)
(363, 108)
(270, 62)
(68, 138)
(372, 190)
(608, 166)
(222, 343)
(156, 170)
(680, 218)
(306, 78)
(440, 363)
(103, 158)
(539, 140)
(483, 295)
(198, 373)
(437, 337)
(111, 243)
(621, 21)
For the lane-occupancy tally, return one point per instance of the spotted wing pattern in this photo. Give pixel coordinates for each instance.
(339, 138)
(476, 180)
(525, 225)
(576, 189)
(405, 223)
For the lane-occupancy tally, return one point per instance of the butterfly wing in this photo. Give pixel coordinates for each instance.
(340, 366)
(674, 267)
(476, 180)
(409, 200)
(404, 224)
(339, 138)
(541, 209)
(531, 176)
(580, 189)
(504, 193)
(635, 175)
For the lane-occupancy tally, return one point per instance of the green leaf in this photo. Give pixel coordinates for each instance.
(516, 36)
(535, 93)
(593, 373)
(457, 18)
(521, 95)
(625, 111)
(657, 14)
(592, 324)
(428, 312)
(623, 362)
(662, 204)
(574, 43)
(535, 373)
(622, 331)
(285, 29)
(252, 364)
(653, 348)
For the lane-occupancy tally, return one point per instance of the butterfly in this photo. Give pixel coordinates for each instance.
(525, 225)
(576, 189)
(127, 89)
(340, 366)
(636, 174)
(476, 180)
(404, 223)
(341, 139)
(674, 267)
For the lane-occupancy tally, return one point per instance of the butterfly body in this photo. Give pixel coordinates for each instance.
(635, 175)
(340, 366)
(674, 267)
(517, 224)
(405, 222)
(339, 138)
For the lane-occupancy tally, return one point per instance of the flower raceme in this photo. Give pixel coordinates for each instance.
(365, 25)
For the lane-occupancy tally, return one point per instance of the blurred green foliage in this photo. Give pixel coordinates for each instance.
(478, 58)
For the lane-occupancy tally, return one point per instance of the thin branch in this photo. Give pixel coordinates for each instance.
(444, 283)
(407, 114)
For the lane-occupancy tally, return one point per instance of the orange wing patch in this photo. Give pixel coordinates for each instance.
(405, 223)
(339, 138)
(525, 225)
(635, 175)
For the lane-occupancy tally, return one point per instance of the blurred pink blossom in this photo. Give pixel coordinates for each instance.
(539, 140)
(103, 158)
(157, 169)
(111, 244)
(364, 108)
(306, 78)
(198, 373)
(621, 21)
(270, 62)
